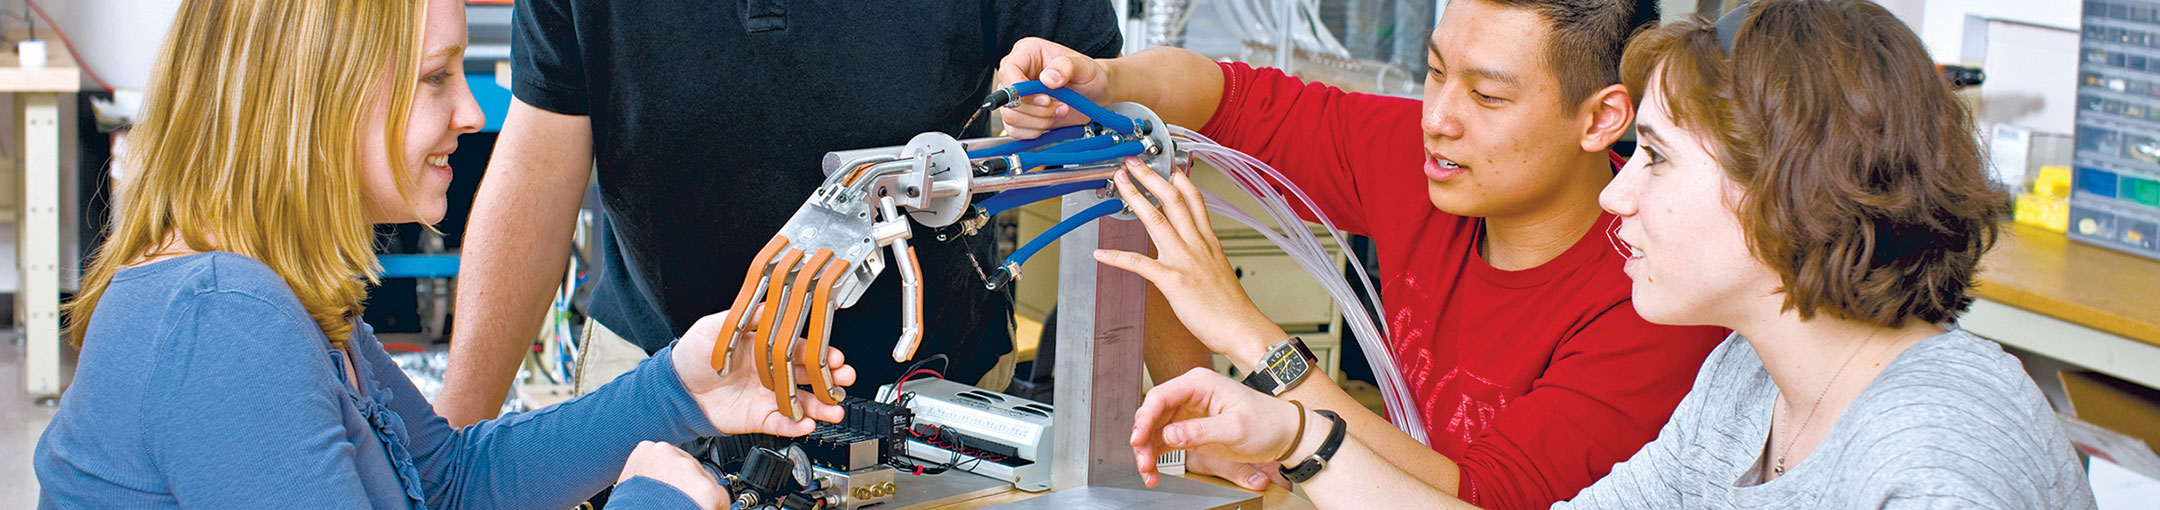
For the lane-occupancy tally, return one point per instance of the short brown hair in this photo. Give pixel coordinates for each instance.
(1864, 182)
(1587, 39)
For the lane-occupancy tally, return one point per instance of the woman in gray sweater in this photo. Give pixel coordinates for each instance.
(1804, 178)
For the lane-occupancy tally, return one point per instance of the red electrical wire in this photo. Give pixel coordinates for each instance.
(62, 37)
(911, 375)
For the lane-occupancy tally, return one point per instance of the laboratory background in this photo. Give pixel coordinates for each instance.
(861, 171)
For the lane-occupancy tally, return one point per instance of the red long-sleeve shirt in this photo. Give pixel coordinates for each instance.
(1536, 381)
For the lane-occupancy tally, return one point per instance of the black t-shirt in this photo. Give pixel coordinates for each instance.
(710, 120)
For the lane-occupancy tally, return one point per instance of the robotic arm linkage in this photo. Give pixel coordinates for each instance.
(827, 255)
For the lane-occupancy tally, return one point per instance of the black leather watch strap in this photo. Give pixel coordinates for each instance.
(1319, 459)
(1262, 381)
(1273, 380)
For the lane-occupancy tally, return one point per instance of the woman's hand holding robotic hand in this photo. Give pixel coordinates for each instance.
(736, 401)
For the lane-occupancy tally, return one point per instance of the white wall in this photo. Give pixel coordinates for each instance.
(1912, 12)
(1944, 26)
(2031, 76)
(1670, 10)
(117, 38)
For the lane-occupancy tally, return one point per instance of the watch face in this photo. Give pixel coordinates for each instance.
(1287, 364)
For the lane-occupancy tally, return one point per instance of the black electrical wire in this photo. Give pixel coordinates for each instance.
(946, 364)
(940, 358)
(943, 438)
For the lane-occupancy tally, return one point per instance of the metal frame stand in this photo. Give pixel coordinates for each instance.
(37, 305)
(1101, 313)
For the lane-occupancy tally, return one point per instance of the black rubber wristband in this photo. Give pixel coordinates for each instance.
(1319, 459)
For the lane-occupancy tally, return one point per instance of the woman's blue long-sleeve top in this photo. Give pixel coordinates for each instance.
(203, 383)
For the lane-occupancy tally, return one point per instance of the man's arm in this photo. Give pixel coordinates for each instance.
(515, 248)
(1181, 86)
(1319, 391)
(1361, 477)
(1205, 413)
(1609, 389)
(1170, 349)
(1385, 441)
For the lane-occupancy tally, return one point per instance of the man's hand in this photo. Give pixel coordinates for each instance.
(1211, 415)
(1055, 66)
(737, 403)
(1190, 268)
(676, 468)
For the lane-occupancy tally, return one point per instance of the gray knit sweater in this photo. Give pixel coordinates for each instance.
(1953, 422)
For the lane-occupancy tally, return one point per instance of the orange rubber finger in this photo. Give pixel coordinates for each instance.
(819, 334)
(775, 299)
(726, 342)
(778, 363)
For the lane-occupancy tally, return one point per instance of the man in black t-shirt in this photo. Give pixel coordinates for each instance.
(705, 123)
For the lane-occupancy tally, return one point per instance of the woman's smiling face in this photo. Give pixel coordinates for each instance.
(442, 108)
(1686, 251)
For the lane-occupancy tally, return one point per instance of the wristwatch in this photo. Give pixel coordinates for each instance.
(1319, 459)
(1285, 365)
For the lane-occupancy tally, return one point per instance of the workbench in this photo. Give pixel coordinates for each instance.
(960, 490)
(2077, 303)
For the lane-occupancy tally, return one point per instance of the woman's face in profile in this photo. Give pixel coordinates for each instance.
(442, 109)
(1686, 252)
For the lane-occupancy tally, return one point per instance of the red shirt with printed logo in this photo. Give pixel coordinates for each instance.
(1536, 381)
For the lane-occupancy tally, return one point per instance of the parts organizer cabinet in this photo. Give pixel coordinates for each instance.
(2116, 197)
(1276, 284)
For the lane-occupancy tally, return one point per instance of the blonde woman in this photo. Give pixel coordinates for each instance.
(222, 362)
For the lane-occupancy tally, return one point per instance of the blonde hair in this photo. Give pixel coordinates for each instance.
(250, 143)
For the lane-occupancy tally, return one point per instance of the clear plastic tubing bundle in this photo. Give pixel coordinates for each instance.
(1283, 227)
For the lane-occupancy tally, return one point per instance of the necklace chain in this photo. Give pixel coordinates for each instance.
(1779, 468)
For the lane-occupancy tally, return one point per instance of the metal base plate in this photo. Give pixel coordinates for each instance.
(957, 487)
(933, 491)
(1172, 493)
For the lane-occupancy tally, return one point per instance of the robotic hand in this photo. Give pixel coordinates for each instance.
(827, 255)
